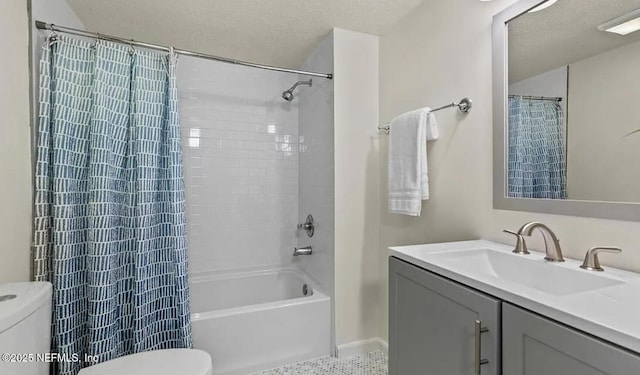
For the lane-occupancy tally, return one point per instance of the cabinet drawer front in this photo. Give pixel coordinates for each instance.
(432, 324)
(533, 345)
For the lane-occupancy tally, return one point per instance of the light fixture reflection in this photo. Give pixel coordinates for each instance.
(542, 6)
(623, 25)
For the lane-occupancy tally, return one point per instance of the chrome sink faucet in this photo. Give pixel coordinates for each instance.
(551, 243)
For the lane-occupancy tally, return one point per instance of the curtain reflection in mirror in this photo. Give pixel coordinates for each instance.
(537, 152)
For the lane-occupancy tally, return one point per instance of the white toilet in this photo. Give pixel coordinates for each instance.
(155, 362)
(25, 326)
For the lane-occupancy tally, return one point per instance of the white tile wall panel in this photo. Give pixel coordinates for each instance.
(316, 177)
(240, 153)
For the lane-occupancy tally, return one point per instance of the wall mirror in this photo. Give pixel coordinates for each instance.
(566, 97)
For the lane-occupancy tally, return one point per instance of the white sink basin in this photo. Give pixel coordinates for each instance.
(605, 304)
(540, 275)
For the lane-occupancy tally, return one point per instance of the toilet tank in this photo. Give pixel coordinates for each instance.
(25, 328)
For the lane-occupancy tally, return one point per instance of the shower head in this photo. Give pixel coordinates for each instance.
(288, 94)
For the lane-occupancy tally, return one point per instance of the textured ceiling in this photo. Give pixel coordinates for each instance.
(277, 32)
(562, 34)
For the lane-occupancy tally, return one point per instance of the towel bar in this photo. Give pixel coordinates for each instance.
(464, 106)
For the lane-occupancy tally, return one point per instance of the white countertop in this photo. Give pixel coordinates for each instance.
(611, 313)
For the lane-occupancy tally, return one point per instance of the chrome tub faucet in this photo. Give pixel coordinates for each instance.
(307, 250)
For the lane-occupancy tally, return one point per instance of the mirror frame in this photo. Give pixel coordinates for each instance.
(596, 209)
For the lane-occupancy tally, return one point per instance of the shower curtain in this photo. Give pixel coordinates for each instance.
(537, 154)
(109, 225)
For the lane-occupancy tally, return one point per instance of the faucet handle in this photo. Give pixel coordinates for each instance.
(308, 226)
(591, 261)
(521, 245)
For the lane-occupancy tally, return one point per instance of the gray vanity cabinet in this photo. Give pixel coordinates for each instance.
(432, 325)
(533, 345)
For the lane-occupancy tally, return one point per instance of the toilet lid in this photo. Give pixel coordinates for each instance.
(155, 362)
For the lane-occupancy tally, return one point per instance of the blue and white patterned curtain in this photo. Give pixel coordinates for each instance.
(109, 226)
(537, 154)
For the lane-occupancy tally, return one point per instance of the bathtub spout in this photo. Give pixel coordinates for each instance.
(302, 251)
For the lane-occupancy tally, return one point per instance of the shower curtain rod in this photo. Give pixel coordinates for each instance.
(557, 98)
(68, 30)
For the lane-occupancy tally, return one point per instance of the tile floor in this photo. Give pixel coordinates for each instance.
(374, 363)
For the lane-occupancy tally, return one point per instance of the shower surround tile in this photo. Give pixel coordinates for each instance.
(316, 175)
(240, 155)
(374, 363)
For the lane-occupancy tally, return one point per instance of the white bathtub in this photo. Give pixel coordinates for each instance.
(258, 320)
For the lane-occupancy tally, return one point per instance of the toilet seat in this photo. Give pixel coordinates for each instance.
(155, 362)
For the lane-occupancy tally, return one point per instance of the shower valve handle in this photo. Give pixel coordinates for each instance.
(308, 226)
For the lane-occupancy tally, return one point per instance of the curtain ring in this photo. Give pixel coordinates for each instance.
(95, 43)
(131, 49)
(53, 36)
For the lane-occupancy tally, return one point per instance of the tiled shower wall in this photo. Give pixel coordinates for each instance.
(316, 179)
(316, 182)
(240, 155)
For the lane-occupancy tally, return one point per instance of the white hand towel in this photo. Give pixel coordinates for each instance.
(408, 172)
(433, 132)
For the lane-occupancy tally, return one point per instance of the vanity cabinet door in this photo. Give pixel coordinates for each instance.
(432, 324)
(533, 345)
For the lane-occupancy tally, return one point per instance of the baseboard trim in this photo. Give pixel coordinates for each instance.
(363, 346)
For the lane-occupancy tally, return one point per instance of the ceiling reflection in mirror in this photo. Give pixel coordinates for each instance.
(573, 94)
